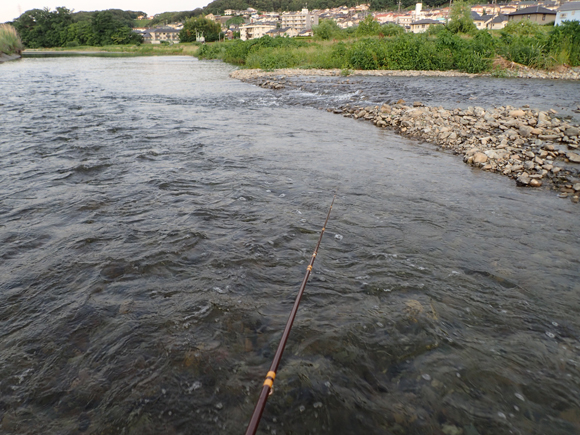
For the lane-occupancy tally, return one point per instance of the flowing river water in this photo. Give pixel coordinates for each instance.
(156, 220)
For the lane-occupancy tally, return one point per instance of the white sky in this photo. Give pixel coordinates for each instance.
(11, 9)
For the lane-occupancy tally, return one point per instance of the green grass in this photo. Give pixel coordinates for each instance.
(439, 49)
(10, 42)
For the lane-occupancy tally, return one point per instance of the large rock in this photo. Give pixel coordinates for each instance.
(479, 158)
(517, 113)
(525, 130)
(523, 180)
(572, 131)
(543, 120)
(385, 108)
(573, 157)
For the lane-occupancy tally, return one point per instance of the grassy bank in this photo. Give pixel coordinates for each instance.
(440, 49)
(10, 42)
(189, 49)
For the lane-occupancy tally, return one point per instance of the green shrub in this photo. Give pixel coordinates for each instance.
(391, 29)
(327, 29)
(460, 19)
(564, 42)
(10, 42)
(368, 27)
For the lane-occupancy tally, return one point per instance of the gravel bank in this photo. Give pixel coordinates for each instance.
(521, 72)
(536, 148)
(533, 148)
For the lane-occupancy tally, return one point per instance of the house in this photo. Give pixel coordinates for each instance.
(489, 9)
(299, 20)
(498, 22)
(160, 34)
(480, 20)
(568, 12)
(421, 26)
(537, 14)
(255, 30)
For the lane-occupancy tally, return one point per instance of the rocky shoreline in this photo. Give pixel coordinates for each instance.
(517, 72)
(535, 148)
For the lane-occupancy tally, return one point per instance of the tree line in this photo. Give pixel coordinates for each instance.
(43, 28)
(219, 6)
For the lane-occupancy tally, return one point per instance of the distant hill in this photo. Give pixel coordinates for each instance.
(218, 6)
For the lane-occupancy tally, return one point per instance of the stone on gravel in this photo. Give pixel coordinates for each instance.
(573, 157)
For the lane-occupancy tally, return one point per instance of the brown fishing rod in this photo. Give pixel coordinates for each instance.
(267, 387)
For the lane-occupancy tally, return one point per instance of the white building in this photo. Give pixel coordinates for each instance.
(568, 12)
(255, 30)
(299, 20)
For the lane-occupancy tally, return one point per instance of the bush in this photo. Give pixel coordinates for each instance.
(327, 29)
(564, 42)
(460, 19)
(392, 29)
(368, 27)
(10, 42)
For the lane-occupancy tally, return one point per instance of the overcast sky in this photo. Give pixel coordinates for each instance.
(11, 9)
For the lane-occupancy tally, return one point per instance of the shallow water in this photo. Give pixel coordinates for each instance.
(156, 220)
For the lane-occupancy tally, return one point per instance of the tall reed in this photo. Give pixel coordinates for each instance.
(10, 42)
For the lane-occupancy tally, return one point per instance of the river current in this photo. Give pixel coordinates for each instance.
(157, 218)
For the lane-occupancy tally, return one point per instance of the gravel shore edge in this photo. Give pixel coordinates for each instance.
(522, 72)
(534, 148)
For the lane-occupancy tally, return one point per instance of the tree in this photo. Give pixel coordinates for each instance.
(235, 21)
(460, 19)
(43, 28)
(369, 26)
(194, 26)
(327, 29)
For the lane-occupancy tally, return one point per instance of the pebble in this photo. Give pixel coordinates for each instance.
(426, 377)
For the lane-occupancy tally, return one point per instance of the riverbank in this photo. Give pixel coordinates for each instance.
(516, 71)
(184, 49)
(8, 57)
(535, 148)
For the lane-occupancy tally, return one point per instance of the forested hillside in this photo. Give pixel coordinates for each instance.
(218, 6)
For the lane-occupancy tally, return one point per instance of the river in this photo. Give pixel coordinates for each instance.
(156, 220)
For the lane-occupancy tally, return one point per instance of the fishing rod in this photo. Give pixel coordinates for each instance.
(267, 387)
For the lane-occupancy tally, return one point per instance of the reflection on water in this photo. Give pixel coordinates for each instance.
(157, 218)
